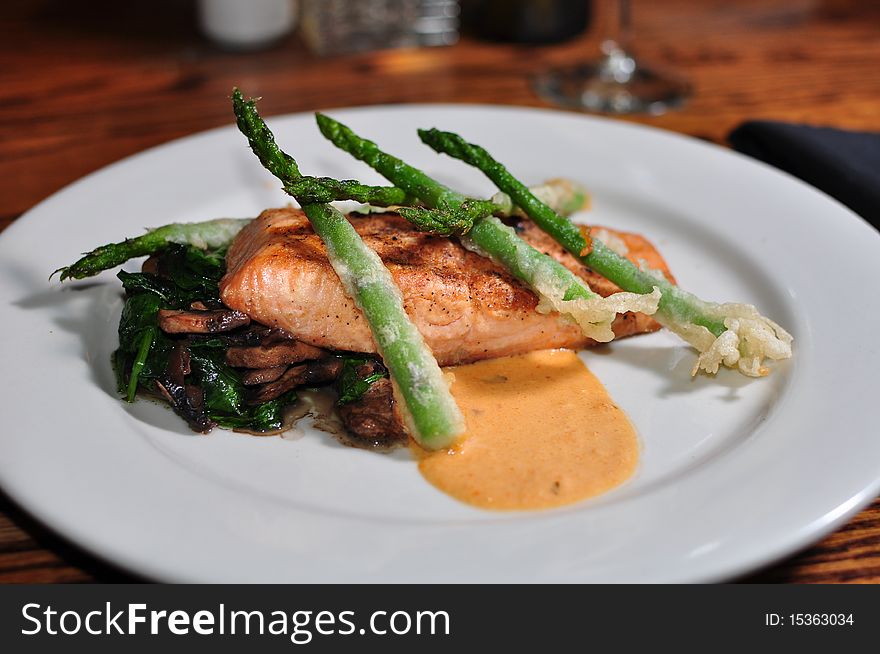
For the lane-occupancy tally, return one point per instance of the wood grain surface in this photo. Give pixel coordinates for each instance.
(85, 84)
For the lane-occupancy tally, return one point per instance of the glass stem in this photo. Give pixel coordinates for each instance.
(618, 65)
(617, 26)
(615, 83)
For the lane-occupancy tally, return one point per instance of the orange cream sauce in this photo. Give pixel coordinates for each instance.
(542, 432)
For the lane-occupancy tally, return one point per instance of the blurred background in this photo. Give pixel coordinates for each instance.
(84, 83)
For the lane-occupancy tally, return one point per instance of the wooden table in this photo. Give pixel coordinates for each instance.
(85, 84)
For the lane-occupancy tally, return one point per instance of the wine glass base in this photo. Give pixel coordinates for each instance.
(589, 87)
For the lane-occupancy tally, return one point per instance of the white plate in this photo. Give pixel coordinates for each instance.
(735, 473)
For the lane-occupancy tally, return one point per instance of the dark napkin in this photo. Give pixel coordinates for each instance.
(846, 165)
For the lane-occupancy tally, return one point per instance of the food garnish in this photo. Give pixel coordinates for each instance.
(208, 235)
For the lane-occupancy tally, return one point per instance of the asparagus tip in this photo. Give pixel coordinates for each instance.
(325, 123)
(238, 97)
(425, 134)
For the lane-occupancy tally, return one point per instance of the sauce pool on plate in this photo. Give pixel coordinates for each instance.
(542, 432)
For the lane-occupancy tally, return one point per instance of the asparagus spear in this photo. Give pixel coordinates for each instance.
(326, 189)
(209, 234)
(431, 414)
(557, 287)
(735, 335)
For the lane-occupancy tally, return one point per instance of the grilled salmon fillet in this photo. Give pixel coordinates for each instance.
(466, 307)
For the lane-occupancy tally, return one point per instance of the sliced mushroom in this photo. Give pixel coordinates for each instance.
(313, 373)
(372, 417)
(151, 265)
(186, 399)
(200, 322)
(262, 375)
(256, 334)
(285, 352)
(179, 363)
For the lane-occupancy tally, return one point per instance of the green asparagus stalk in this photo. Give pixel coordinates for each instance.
(563, 231)
(209, 234)
(735, 335)
(432, 415)
(312, 190)
(556, 286)
(430, 411)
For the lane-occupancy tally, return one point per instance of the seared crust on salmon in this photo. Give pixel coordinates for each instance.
(466, 307)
